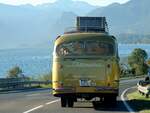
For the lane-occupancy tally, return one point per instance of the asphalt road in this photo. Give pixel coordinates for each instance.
(41, 101)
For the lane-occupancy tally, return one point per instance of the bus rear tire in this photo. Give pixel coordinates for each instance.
(70, 102)
(63, 102)
(111, 100)
(95, 104)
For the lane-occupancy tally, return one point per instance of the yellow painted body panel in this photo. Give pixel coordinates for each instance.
(101, 72)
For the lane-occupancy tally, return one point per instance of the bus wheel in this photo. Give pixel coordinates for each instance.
(95, 104)
(111, 100)
(70, 102)
(63, 102)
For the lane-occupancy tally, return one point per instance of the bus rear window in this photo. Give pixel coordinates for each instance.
(80, 48)
(99, 48)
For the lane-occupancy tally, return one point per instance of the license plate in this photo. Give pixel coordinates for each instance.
(85, 83)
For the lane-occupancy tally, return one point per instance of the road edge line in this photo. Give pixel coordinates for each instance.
(52, 101)
(35, 108)
(124, 101)
(40, 106)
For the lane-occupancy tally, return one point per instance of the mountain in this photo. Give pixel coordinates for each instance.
(32, 26)
(21, 26)
(132, 17)
(37, 26)
(78, 7)
(65, 22)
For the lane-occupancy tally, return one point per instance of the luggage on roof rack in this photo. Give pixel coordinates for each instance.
(92, 24)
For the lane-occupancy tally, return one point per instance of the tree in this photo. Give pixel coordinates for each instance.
(137, 61)
(14, 72)
(46, 77)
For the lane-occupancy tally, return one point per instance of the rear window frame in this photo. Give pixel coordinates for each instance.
(113, 45)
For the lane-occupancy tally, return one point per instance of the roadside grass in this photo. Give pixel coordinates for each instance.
(138, 102)
(45, 77)
(46, 86)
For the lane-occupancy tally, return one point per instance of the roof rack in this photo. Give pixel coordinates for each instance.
(92, 24)
(89, 24)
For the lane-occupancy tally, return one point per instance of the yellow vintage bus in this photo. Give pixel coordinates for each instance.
(85, 66)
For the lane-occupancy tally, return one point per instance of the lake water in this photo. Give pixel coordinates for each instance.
(36, 62)
(33, 62)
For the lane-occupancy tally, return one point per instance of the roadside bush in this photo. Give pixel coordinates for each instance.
(46, 77)
(137, 61)
(15, 72)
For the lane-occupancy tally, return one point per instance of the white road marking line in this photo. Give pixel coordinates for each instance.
(33, 109)
(124, 101)
(52, 102)
(38, 107)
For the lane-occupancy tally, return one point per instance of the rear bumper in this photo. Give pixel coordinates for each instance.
(82, 91)
(88, 96)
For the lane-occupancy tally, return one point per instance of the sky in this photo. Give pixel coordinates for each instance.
(36, 2)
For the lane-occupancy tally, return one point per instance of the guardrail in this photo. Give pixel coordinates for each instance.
(22, 83)
(15, 83)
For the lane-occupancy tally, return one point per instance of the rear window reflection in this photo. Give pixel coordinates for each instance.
(80, 48)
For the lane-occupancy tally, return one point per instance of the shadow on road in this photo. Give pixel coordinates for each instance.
(136, 105)
(139, 105)
(117, 107)
(106, 107)
(83, 107)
